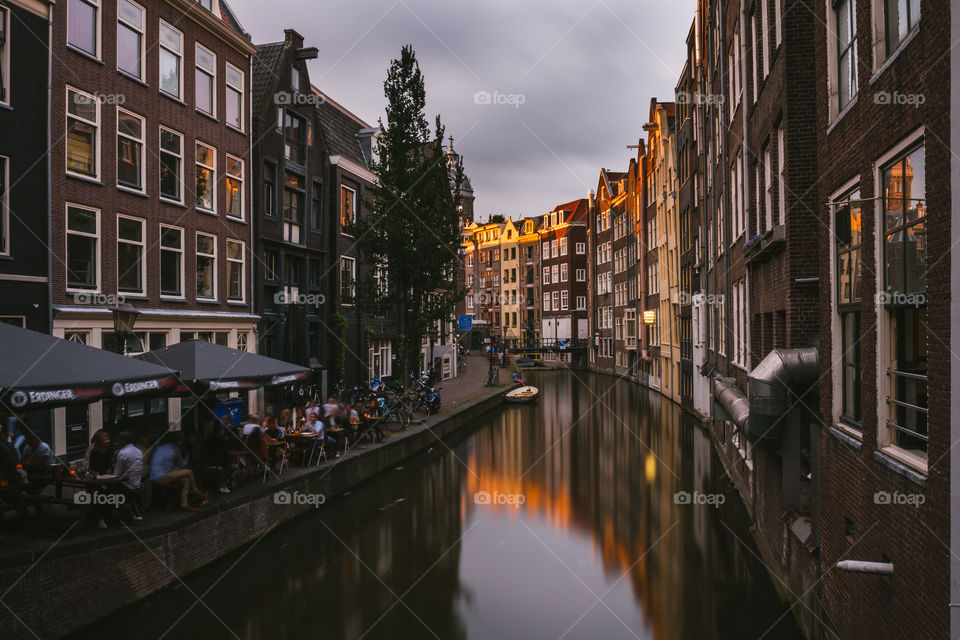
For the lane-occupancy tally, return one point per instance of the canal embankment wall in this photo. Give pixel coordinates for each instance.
(58, 587)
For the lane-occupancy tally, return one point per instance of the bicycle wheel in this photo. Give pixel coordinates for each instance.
(419, 411)
(393, 420)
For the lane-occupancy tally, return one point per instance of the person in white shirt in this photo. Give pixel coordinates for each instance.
(129, 469)
(253, 423)
(330, 411)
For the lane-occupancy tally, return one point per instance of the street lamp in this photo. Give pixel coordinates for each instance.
(124, 318)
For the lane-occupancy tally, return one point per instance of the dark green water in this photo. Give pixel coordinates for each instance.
(598, 549)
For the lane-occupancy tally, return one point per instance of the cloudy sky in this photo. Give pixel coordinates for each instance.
(538, 94)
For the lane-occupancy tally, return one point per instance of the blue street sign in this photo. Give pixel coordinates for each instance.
(465, 322)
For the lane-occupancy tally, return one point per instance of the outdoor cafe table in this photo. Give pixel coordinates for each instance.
(303, 440)
(44, 476)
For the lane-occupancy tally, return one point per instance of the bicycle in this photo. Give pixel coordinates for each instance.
(395, 415)
(493, 376)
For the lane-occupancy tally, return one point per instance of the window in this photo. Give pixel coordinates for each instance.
(83, 133)
(270, 265)
(846, 16)
(293, 197)
(581, 275)
(581, 248)
(348, 276)
(900, 17)
(847, 239)
(293, 136)
(546, 302)
(777, 12)
(905, 210)
(316, 274)
(555, 300)
(781, 177)
(130, 138)
(130, 21)
(4, 205)
(234, 93)
(295, 79)
(206, 177)
(563, 246)
(4, 55)
(348, 208)
(564, 300)
(563, 272)
(316, 208)
(768, 187)
(234, 187)
(581, 303)
(171, 262)
(765, 35)
(235, 270)
(171, 55)
(269, 189)
(553, 248)
(546, 275)
(83, 26)
(206, 4)
(206, 74)
(130, 255)
(206, 267)
(83, 248)
(171, 165)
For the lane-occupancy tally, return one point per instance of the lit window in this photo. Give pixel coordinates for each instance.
(83, 133)
(206, 177)
(348, 208)
(234, 187)
(293, 197)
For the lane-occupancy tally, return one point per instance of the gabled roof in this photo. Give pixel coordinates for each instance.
(265, 63)
(341, 129)
(573, 210)
(229, 17)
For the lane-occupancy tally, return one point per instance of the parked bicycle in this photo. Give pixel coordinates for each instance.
(493, 376)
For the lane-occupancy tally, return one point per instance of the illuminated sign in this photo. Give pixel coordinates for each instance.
(650, 317)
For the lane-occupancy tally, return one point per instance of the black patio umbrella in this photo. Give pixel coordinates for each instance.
(205, 366)
(39, 371)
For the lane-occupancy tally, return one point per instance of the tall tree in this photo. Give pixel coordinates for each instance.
(411, 236)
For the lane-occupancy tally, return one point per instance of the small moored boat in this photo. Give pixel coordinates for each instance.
(523, 394)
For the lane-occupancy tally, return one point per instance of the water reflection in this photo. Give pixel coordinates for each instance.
(598, 549)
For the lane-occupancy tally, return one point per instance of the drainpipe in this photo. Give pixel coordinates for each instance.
(725, 233)
(50, 9)
(860, 566)
(705, 279)
(745, 150)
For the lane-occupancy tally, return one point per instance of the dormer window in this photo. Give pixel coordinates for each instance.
(206, 4)
(295, 78)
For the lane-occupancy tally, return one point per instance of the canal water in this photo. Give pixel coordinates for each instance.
(601, 512)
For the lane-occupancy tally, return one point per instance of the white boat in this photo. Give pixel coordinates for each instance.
(522, 395)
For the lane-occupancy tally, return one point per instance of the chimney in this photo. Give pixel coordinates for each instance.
(590, 201)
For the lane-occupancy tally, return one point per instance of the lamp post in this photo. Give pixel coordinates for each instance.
(124, 318)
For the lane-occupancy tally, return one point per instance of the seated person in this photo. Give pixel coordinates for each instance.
(38, 453)
(253, 423)
(518, 378)
(167, 469)
(99, 457)
(286, 421)
(129, 469)
(259, 445)
(274, 430)
(15, 432)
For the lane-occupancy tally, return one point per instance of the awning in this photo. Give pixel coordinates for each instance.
(205, 366)
(39, 371)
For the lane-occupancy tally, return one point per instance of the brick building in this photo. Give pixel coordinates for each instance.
(564, 258)
(289, 168)
(150, 184)
(884, 200)
(605, 206)
(529, 265)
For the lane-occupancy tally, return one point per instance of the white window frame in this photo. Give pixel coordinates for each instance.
(764, 34)
(581, 248)
(143, 254)
(564, 299)
(142, 141)
(239, 178)
(160, 153)
(207, 255)
(213, 80)
(781, 176)
(240, 95)
(213, 179)
(546, 275)
(98, 21)
(138, 29)
(353, 207)
(564, 272)
(581, 275)
(99, 244)
(353, 280)
(767, 188)
(177, 53)
(96, 139)
(546, 250)
(243, 270)
(183, 266)
(563, 246)
(581, 303)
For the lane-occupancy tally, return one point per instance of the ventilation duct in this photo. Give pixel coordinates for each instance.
(768, 384)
